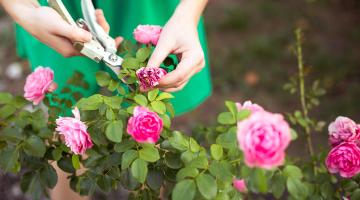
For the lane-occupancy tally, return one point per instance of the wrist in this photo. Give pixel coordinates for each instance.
(190, 10)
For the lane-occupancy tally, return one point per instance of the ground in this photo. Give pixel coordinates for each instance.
(250, 46)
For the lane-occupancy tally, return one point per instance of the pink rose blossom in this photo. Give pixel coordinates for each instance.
(263, 137)
(343, 129)
(149, 77)
(344, 159)
(240, 185)
(38, 83)
(76, 136)
(146, 34)
(248, 105)
(145, 126)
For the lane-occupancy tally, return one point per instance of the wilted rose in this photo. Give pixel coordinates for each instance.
(248, 105)
(38, 83)
(75, 132)
(263, 137)
(147, 34)
(344, 159)
(149, 77)
(145, 126)
(343, 129)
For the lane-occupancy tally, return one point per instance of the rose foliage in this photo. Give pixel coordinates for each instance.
(123, 137)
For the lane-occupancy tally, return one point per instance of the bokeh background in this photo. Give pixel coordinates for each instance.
(251, 59)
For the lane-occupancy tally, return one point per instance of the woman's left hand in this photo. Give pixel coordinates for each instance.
(180, 37)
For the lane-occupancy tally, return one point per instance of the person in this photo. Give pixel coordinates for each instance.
(45, 39)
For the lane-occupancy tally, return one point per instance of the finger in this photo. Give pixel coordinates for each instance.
(182, 73)
(118, 41)
(162, 50)
(73, 33)
(101, 20)
(175, 89)
(62, 45)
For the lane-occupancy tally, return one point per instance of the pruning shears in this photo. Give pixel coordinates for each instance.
(102, 47)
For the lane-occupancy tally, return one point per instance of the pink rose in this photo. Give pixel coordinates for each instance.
(76, 136)
(146, 34)
(240, 185)
(149, 77)
(345, 159)
(263, 137)
(248, 105)
(343, 129)
(145, 126)
(38, 84)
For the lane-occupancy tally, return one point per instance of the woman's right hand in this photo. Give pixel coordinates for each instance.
(49, 27)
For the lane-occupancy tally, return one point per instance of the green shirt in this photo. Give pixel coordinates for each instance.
(123, 16)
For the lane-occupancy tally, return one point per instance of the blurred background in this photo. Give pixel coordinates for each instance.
(251, 59)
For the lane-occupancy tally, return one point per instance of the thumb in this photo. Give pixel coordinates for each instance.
(162, 50)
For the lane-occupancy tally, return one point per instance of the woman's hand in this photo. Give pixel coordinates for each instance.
(48, 26)
(180, 36)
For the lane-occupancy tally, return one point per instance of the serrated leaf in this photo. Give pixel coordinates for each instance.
(153, 94)
(75, 161)
(149, 153)
(158, 107)
(114, 131)
(216, 151)
(141, 100)
(164, 95)
(127, 158)
(207, 186)
(139, 170)
(184, 189)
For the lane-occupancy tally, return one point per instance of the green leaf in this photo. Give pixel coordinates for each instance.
(9, 159)
(278, 185)
(294, 134)
(113, 102)
(103, 78)
(226, 118)
(164, 95)
(194, 146)
(173, 160)
(178, 141)
(143, 54)
(153, 94)
(260, 180)
(207, 186)
(5, 97)
(90, 103)
(184, 190)
(200, 162)
(232, 107)
(243, 114)
(227, 140)
(113, 85)
(34, 146)
(139, 170)
(49, 176)
(187, 172)
(57, 153)
(114, 131)
(6, 111)
(327, 191)
(166, 120)
(110, 115)
(124, 146)
(293, 171)
(296, 188)
(221, 170)
(155, 179)
(141, 100)
(149, 153)
(127, 158)
(131, 63)
(355, 194)
(158, 107)
(65, 163)
(216, 151)
(75, 161)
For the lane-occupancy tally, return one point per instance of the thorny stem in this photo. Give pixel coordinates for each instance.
(299, 38)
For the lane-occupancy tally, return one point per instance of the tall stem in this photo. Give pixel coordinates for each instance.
(299, 54)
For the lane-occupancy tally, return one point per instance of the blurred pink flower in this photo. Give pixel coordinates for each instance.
(344, 159)
(149, 77)
(38, 84)
(145, 126)
(248, 105)
(76, 136)
(240, 185)
(263, 137)
(343, 129)
(146, 34)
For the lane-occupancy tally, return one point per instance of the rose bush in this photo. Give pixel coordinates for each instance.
(125, 139)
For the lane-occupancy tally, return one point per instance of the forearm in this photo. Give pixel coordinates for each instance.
(18, 9)
(191, 9)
